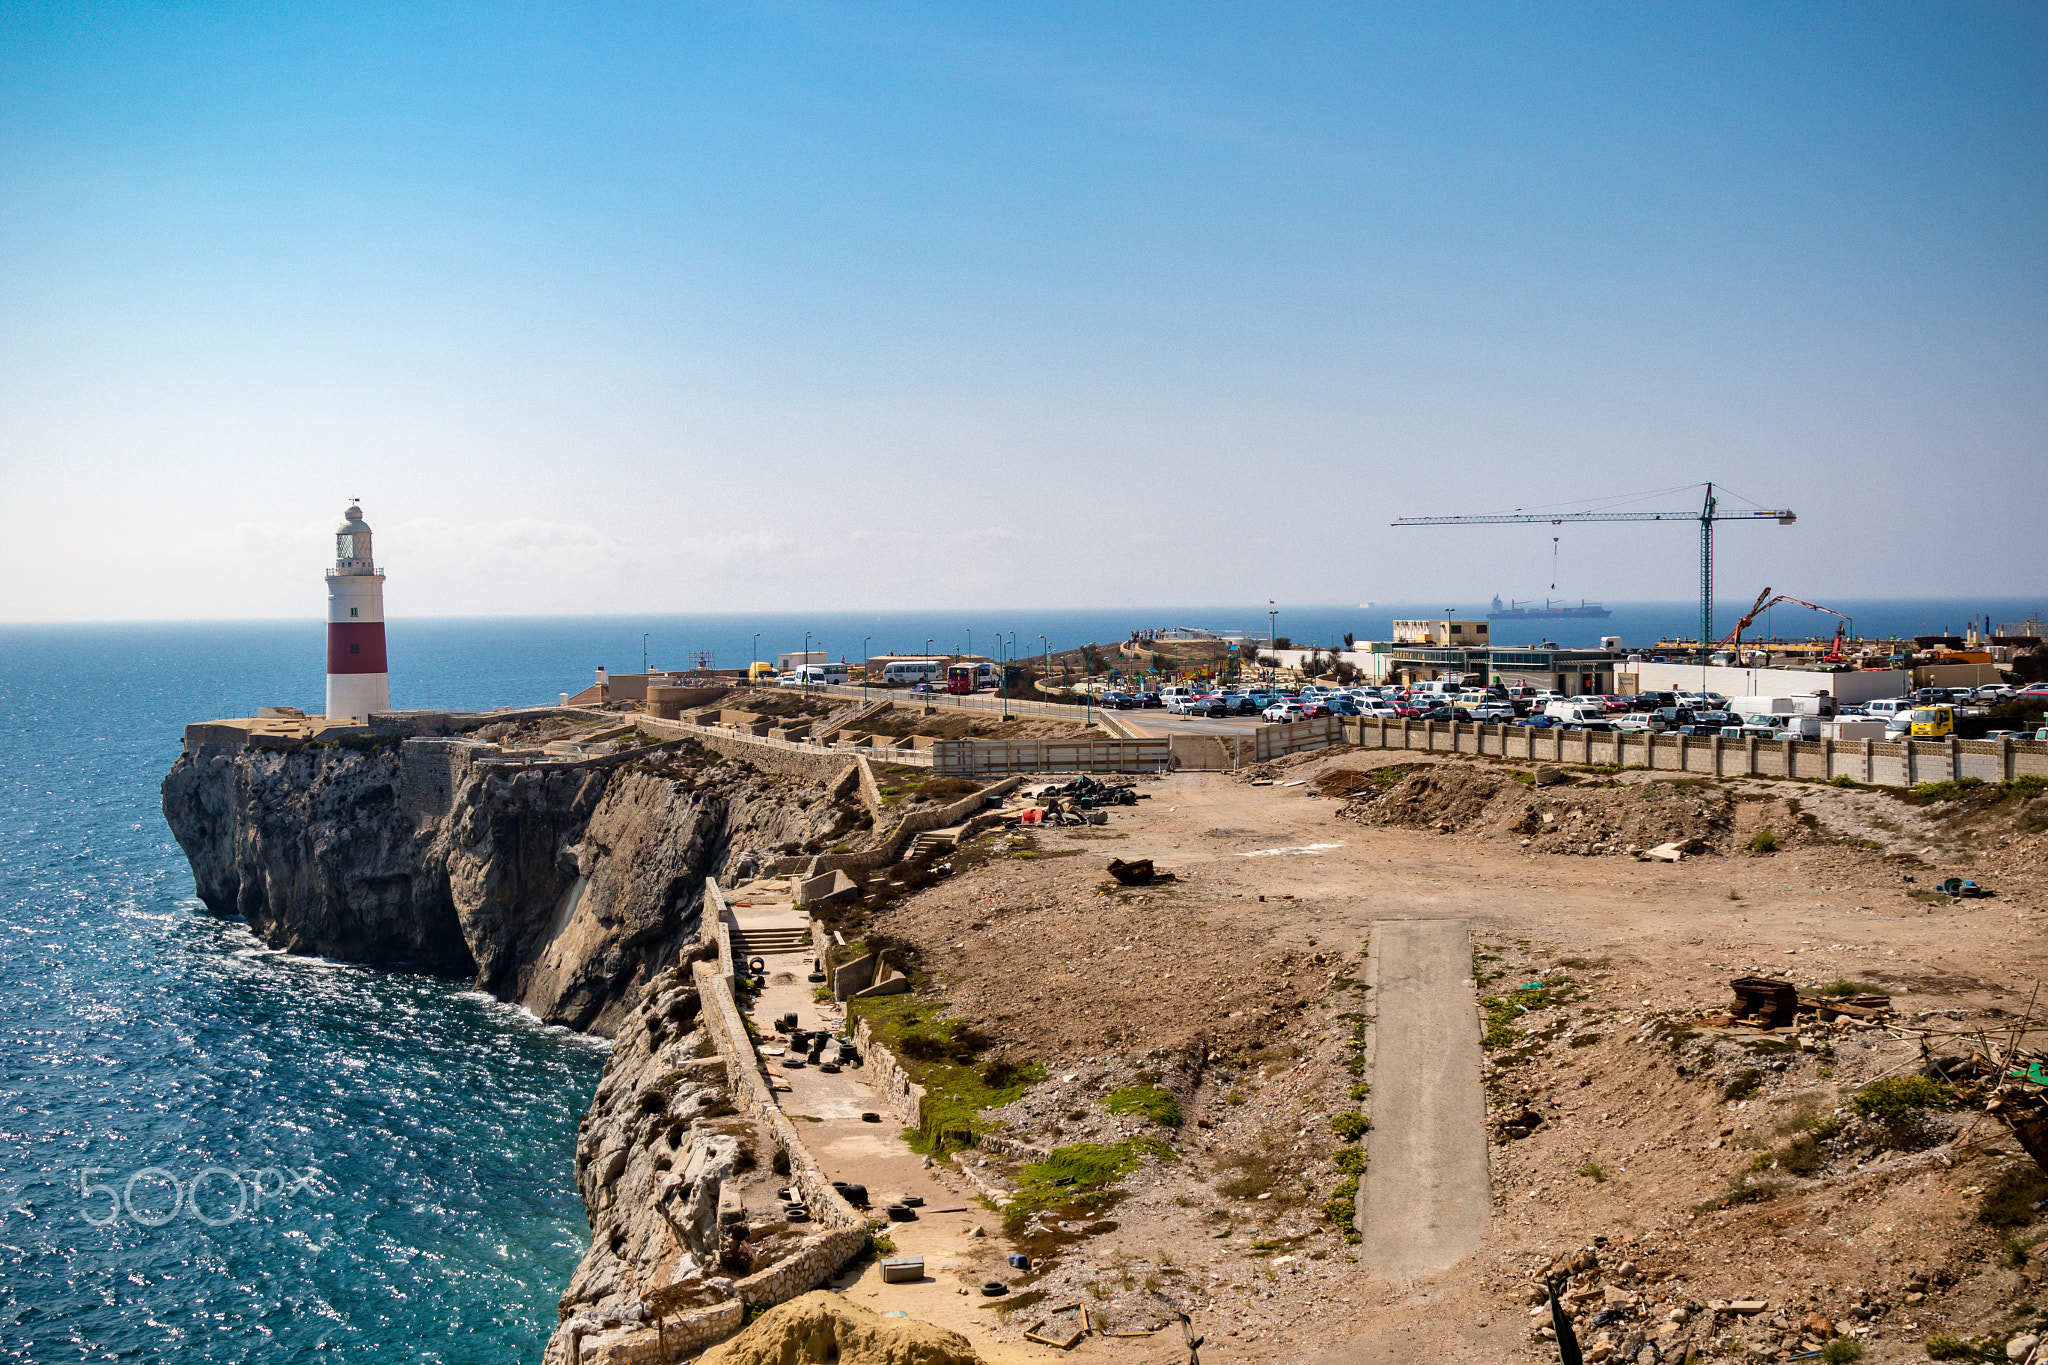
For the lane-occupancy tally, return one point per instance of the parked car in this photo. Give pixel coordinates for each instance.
(1494, 712)
(1281, 712)
(1443, 713)
(1598, 726)
(1632, 725)
(1117, 701)
(1150, 699)
(1538, 722)
(1670, 717)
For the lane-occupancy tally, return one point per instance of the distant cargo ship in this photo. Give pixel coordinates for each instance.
(1585, 611)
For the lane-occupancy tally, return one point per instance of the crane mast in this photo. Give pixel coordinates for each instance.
(1710, 512)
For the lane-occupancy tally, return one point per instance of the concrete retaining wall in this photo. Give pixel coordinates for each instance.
(1874, 762)
(978, 758)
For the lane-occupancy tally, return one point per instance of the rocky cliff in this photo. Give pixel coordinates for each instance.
(561, 887)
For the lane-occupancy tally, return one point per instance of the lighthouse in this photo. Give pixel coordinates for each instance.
(358, 681)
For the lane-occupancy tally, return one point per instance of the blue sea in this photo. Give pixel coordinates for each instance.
(212, 1152)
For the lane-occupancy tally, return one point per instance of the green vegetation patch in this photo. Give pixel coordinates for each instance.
(941, 1055)
(1975, 790)
(1342, 1208)
(1076, 1177)
(1900, 1097)
(1154, 1102)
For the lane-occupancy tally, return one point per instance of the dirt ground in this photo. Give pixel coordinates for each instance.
(1626, 1135)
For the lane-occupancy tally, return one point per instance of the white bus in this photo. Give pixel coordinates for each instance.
(912, 671)
(815, 675)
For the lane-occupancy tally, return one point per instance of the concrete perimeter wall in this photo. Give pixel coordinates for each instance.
(1875, 762)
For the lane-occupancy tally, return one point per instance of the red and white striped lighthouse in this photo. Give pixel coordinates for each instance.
(358, 681)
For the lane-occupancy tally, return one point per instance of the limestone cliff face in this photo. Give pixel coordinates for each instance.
(559, 887)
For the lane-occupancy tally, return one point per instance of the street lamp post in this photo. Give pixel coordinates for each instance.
(643, 652)
(1002, 675)
(927, 676)
(753, 657)
(806, 662)
(864, 668)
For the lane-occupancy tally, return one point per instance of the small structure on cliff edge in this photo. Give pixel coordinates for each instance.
(358, 679)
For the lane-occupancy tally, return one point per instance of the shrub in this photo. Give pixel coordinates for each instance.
(1900, 1097)
(1801, 1156)
(1349, 1127)
(1946, 1347)
(1593, 1171)
(1841, 1350)
(2010, 1199)
(1351, 1160)
(1342, 1206)
(1763, 841)
(1743, 1085)
(780, 1165)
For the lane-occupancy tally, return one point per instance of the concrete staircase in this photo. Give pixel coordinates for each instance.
(935, 841)
(748, 943)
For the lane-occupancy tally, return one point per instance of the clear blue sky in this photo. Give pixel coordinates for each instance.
(774, 306)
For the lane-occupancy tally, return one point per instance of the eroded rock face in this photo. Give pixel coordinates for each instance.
(560, 889)
(820, 1327)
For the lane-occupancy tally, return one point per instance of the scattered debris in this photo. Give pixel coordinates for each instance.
(1138, 873)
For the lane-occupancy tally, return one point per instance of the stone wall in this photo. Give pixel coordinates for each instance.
(431, 769)
(826, 766)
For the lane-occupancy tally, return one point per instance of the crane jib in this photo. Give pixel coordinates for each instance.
(1709, 513)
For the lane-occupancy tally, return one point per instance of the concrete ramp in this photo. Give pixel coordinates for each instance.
(1426, 1196)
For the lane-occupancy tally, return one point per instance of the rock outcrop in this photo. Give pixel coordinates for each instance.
(561, 887)
(819, 1328)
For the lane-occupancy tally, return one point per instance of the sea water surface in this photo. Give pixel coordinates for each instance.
(213, 1152)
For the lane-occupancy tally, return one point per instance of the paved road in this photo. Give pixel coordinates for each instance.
(1426, 1196)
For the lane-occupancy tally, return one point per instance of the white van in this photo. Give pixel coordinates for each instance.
(1574, 712)
(1884, 708)
(816, 675)
(1437, 688)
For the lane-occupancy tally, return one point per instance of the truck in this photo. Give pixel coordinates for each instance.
(1779, 727)
(1933, 722)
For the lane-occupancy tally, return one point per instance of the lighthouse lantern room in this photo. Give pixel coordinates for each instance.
(358, 679)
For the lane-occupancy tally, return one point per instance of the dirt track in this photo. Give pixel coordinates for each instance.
(1232, 986)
